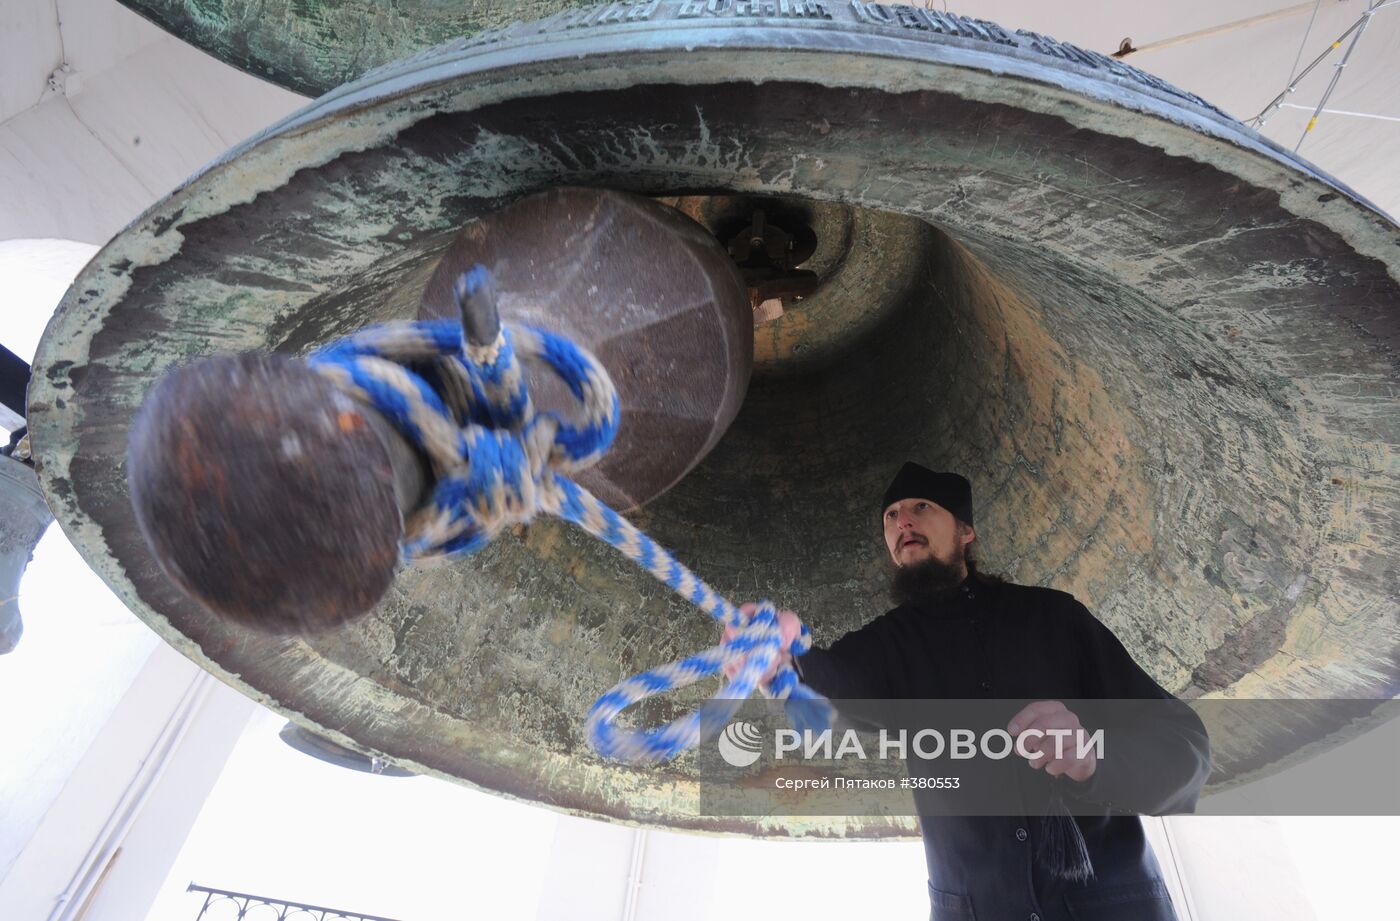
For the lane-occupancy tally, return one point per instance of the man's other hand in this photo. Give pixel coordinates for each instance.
(1047, 715)
(789, 628)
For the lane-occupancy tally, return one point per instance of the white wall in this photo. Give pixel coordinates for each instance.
(111, 740)
(1236, 867)
(107, 839)
(79, 655)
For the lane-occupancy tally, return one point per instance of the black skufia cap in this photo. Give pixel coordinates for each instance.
(949, 490)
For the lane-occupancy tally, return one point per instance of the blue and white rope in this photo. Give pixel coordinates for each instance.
(497, 462)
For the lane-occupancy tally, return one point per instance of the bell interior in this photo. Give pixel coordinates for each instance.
(912, 347)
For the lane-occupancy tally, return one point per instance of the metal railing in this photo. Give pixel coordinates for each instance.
(286, 911)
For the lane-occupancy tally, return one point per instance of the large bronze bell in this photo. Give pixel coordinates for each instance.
(1162, 349)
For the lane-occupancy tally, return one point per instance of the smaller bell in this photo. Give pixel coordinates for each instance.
(24, 516)
(323, 749)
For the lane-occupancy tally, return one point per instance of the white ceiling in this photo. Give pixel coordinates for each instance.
(146, 112)
(141, 111)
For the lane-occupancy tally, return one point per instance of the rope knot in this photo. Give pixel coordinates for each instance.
(495, 460)
(457, 391)
(758, 626)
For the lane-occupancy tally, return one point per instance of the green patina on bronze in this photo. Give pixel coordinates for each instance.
(313, 46)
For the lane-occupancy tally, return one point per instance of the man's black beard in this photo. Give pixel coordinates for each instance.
(926, 583)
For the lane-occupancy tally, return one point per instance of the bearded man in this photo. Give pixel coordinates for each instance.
(957, 633)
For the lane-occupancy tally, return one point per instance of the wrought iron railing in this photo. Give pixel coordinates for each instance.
(286, 911)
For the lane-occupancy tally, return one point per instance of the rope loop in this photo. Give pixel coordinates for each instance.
(461, 398)
(494, 459)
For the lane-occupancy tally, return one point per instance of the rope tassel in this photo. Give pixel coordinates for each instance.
(1061, 847)
(457, 391)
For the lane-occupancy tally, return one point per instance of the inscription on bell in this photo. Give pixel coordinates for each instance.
(772, 9)
(921, 20)
(601, 14)
(911, 21)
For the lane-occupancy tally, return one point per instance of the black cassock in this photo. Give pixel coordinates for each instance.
(1017, 642)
